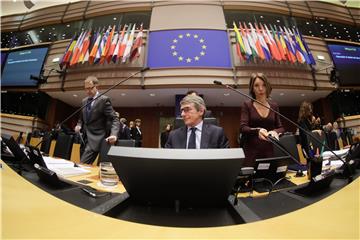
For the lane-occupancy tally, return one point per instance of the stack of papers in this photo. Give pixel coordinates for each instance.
(333, 160)
(64, 167)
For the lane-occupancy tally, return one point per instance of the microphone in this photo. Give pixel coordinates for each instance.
(350, 178)
(89, 102)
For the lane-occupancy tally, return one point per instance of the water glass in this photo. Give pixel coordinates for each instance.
(108, 176)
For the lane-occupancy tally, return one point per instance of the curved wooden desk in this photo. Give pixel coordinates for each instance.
(29, 212)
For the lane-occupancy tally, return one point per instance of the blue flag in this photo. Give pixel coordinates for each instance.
(189, 48)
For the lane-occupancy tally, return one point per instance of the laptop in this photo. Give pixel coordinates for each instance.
(273, 169)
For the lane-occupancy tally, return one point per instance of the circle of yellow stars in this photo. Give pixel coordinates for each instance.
(188, 59)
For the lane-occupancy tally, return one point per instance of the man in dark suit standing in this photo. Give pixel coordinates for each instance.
(136, 133)
(124, 132)
(94, 119)
(196, 134)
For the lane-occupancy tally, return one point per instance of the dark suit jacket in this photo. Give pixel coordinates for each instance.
(95, 127)
(124, 132)
(135, 134)
(211, 137)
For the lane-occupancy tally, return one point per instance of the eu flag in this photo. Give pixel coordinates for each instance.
(188, 48)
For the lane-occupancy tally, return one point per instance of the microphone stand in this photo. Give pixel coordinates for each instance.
(89, 102)
(350, 178)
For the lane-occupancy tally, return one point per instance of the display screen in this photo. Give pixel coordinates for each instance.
(346, 59)
(3, 58)
(20, 65)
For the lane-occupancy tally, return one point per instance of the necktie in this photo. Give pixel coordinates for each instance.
(192, 139)
(88, 107)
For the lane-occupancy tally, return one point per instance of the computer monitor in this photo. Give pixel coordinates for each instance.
(273, 169)
(179, 122)
(14, 147)
(192, 176)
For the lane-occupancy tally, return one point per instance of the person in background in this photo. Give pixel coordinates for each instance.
(124, 132)
(93, 119)
(136, 133)
(165, 134)
(258, 122)
(131, 126)
(305, 121)
(196, 134)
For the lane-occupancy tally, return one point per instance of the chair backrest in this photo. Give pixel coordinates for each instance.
(45, 145)
(63, 146)
(290, 144)
(126, 143)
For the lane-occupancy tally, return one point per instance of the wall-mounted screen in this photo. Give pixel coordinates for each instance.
(3, 58)
(346, 59)
(21, 64)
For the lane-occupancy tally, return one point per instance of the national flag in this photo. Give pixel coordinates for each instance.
(91, 44)
(278, 43)
(124, 42)
(188, 48)
(101, 46)
(260, 51)
(263, 44)
(107, 43)
(112, 46)
(240, 48)
(65, 58)
(271, 43)
(308, 56)
(136, 49)
(116, 50)
(85, 47)
(298, 52)
(129, 45)
(251, 42)
(289, 46)
(76, 51)
(94, 49)
(246, 42)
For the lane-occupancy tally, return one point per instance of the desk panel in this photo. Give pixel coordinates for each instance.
(29, 212)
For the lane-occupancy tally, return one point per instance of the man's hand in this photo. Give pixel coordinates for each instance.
(263, 133)
(111, 139)
(77, 128)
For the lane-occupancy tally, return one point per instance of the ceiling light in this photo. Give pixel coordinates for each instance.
(152, 94)
(75, 95)
(123, 94)
(303, 94)
(320, 57)
(226, 94)
(57, 59)
(278, 20)
(68, 25)
(114, 18)
(282, 94)
(307, 23)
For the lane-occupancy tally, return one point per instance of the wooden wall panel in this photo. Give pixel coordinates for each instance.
(331, 11)
(75, 11)
(229, 119)
(263, 6)
(49, 15)
(98, 8)
(299, 9)
(355, 12)
(11, 22)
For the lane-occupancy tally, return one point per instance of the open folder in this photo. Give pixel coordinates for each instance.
(63, 167)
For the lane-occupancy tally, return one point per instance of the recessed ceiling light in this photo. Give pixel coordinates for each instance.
(261, 16)
(303, 94)
(75, 95)
(123, 94)
(278, 20)
(320, 57)
(282, 94)
(307, 23)
(68, 25)
(152, 94)
(43, 29)
(226, 94)
(114, 18)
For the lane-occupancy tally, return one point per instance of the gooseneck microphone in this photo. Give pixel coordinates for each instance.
(289, 120)
(89, 102)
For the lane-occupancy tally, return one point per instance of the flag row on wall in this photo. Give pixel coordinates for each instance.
(105, 45)
(271, 43)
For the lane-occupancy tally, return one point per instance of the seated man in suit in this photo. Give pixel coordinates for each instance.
(196, 134)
